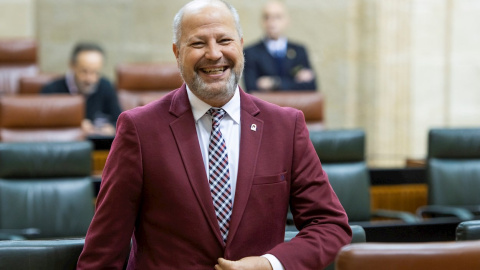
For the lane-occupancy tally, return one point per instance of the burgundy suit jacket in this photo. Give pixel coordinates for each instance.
(155, 186)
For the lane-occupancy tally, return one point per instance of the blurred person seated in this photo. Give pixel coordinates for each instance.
(275, 63)
(84, 78)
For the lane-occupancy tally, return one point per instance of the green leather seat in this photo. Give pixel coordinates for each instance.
(40, 254)
(47, 187)
(453, 173)
(342, 153)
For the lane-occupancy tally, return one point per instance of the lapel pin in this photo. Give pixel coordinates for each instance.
(253, 127)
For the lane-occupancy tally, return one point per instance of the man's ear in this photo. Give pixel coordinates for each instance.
(176, 51)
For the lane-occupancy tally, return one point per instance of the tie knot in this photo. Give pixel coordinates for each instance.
(217, 114)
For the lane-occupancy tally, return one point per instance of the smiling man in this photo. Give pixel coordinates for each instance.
(203, 177)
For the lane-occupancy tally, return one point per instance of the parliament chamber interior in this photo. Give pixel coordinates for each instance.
(399, 138)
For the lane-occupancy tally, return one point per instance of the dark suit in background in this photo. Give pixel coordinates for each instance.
(259, 62)
(103, 103)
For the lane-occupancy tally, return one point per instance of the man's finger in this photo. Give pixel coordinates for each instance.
(224, 264)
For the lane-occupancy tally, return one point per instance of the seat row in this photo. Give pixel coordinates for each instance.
(137, 84)
(453, 174)
(49, 172)
(62, 254)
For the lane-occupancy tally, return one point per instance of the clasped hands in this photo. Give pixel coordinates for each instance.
(247, 263)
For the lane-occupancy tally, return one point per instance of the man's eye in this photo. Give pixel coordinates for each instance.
(225, 41)
(197, 44)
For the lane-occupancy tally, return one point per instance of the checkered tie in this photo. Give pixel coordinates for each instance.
(219, 178)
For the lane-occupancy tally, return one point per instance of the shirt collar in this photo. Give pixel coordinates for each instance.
(71, 85)
(200, 108)
(276, 46)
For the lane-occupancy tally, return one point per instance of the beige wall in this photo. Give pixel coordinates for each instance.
(17, 18)
(393, 67)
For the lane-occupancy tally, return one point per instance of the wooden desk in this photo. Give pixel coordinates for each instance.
(438, 229)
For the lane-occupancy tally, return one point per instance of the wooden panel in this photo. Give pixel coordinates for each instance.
(99, 158)
(398, 197)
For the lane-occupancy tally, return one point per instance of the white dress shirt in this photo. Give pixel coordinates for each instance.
(230, 128)
(277, 47)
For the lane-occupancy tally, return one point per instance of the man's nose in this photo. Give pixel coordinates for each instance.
(214, 51)
(91, 78)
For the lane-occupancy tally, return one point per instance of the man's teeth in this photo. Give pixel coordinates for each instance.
(213, 70)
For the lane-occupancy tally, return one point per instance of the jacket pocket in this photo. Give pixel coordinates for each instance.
(270, 179)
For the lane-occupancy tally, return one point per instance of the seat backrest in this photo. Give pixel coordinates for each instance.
(151, 79)
(34, 84)
(18, 57)
(41, 118)
(46, 186)
(342, 153)
(41, 254)
(453, 167)
(412, 256)
(311, 103)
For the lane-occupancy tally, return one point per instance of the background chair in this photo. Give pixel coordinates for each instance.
(46, 186)
(40, 254)
(33, 84)
(411, 256)
(41, 118)
(18, 57)
(453, 173)
(342, 153)
(139, 84)
(311, 103)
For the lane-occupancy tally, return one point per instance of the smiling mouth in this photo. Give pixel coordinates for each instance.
(214, 71)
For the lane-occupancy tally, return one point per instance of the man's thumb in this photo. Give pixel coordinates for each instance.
(225, 263)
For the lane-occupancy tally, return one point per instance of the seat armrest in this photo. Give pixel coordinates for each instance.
(430, 210)
(358, 234)
(7, 236)
(468, 230)
(18, 234)
(401, 215)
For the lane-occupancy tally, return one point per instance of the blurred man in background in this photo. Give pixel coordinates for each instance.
(84, 78)
(275, 63)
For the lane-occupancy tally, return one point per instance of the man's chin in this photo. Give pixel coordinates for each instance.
(86, 90)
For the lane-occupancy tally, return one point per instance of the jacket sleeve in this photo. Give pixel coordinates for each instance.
(108, 237)
(317, 212)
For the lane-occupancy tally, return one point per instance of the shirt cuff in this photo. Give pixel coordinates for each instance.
(274, 262)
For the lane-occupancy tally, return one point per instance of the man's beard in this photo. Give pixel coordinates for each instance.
(87, 89)
(203, 90)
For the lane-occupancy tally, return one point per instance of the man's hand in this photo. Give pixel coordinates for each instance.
(267, 83)
(247, 263)
(304, 75)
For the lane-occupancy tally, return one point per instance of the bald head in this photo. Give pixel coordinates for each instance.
(274, 19)
(198, 6)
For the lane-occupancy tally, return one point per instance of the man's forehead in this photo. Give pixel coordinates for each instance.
(208, 15)
(274, 8)
(199, 6)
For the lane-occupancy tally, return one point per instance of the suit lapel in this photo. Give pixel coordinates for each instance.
(185, 134)
(249, 146)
